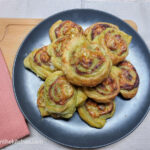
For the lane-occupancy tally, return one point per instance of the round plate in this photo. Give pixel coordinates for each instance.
(75, 132)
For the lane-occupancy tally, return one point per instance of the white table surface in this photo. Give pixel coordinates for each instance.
(136, 10)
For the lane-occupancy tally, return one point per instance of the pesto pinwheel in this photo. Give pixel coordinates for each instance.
(56, 49)
(39, 61)
(83, 71)
(128, 79)
(80, 99)
(62, 28)
(96, 29)
(115, 42)
(85, 63)
(96, 114)
(40, 101)
(59, 96)
(106, 91)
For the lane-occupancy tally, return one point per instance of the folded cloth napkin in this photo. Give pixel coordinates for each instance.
(12, 122)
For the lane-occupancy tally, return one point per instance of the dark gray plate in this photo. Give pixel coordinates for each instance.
(75, 132)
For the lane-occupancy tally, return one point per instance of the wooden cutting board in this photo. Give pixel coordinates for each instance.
(12, 33)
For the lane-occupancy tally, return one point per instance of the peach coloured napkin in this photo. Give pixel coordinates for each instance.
(12, 122)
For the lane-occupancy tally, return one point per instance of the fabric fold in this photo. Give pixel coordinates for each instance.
(12, 122)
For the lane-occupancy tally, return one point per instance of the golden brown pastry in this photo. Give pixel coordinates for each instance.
(128, 79)
(81, 97)
(39, 61)
(115, 42)
(40, 101)
(87, 81)
(95, 114)
(62, 28)
(59, 96)
(106, 91)
(56, 49)
(84, 63)
(96, 29)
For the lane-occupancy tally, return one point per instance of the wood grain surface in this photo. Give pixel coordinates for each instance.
(13, 31)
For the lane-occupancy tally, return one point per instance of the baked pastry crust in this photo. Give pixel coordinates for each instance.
(95, 114)
(87, 81)
(39, 61)
(106, 91)
(128, 79)
(84, 63)
(42, 107)
(40, 101)
(56, 49)
(115, 42)
(81, 97)
(62, 28)
(59, 96)
(96, 29)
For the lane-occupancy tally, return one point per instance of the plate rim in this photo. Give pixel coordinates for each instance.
(30, 121)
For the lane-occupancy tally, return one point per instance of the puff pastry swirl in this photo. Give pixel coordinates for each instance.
(84, 63)
(96, 29)
(115, 42)
(62, 28)
(59, 96)
(106, 91)
(128, 79)
(39, 61)
(96, 114)
(56, 49)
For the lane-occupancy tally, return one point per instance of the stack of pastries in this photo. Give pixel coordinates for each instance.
(83, 71)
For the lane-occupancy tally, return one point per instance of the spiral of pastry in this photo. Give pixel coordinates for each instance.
(59, 96)
(84, 63)
(115, 42)
(95, 114)
(56, 50)
(96, 29)
(40, 101)
(39, 61)
(86, 79)
(80, 99)
(63, 28)
(106, 91)
(128, 79)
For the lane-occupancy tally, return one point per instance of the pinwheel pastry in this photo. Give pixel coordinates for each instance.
(115, 42)
(83, 71)
(80, 99)
(84, 63)
(95, 114)
(59, 96)
(128, 79)
(39, 61)
(56, 50)
(106, 91)
(40, 101)
(63, 28)
(96, 29)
